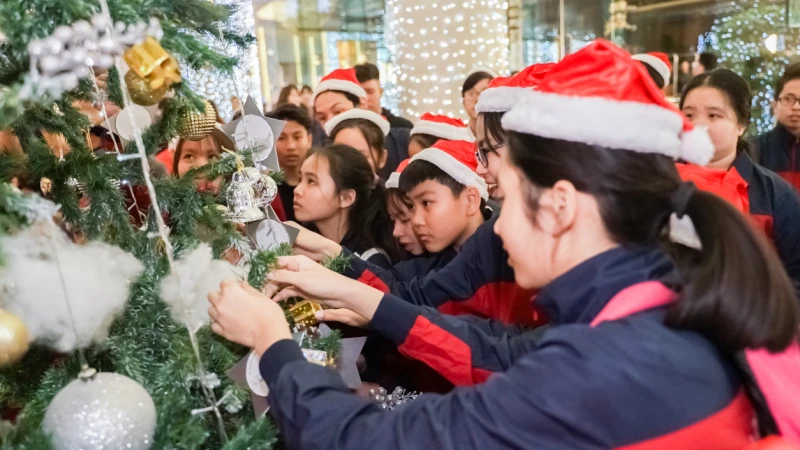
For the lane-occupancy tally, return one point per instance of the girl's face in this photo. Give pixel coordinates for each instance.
(294, 98)
(470, 98)
(489, 147)
(403, 228)
(710, 107)
(315, 198)
(354, 138)
(196, 154)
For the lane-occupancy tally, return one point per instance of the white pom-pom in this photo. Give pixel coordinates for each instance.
(696, 146)
(199, 274)
(97, 276)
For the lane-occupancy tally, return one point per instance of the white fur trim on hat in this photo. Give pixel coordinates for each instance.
(598, 121)
(499, 99)
(339, 85)
(394, 181)
(657, 64)
(443, 131)
(696, 146)
(454, 168)
(358, 113)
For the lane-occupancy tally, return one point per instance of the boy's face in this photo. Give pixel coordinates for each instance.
(403, 229)
(440, 218)
(787, 111)
(292, 146)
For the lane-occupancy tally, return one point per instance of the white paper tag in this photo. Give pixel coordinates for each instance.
(253, 374)
(270, 234)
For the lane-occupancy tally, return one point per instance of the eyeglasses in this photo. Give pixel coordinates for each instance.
(788, 100)
(481, 154)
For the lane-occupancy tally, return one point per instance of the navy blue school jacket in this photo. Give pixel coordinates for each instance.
(478, 281)
(779, 151)
(775, 205)
(631, 383)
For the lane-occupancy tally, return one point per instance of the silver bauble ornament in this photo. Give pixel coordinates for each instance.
(264, 187)
(101, 410)
(242, 205)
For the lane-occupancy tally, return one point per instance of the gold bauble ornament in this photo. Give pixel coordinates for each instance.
(13, 338)
(140, 90)
(193, 125)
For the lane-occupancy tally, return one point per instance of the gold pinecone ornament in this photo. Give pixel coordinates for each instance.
(196, 125)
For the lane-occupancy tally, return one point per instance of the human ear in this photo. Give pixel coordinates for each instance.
(347, 198)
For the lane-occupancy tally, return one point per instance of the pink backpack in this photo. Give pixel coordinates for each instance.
(777, 375)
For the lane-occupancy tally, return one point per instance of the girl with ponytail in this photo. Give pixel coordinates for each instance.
(721, 100)
(653, 288)
(340, 198)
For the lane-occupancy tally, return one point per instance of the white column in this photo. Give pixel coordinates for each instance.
(436, 43)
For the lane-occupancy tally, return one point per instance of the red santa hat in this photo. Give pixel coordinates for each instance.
(340, 80)
(457, 159)
(443, 127)
(502, 92)
(600, 96)
(358, 113)
(394, 178)
(659, 62)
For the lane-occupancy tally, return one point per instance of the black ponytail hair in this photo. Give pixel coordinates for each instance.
(368, 218)
(735, 89)
(735, 292)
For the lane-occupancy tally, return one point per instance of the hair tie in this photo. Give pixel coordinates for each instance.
(681, 197)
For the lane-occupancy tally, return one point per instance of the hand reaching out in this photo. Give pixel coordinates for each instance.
(299, 276)
(314, 245)
(246, 316)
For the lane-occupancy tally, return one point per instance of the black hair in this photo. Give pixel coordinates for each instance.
(654, 75)
(351, 97)
(735, 89)
(424, 140)
(366, 72)
(396, 198)
(493, 128)
(372, 134)
(792, 72)
(306, 88)
(419, 171)
(289, 112)
(474, 79)
(735, 290)
(708, 60)
(368, 218)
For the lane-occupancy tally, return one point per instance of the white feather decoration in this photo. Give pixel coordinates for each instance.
(97, 276)
(199, 274)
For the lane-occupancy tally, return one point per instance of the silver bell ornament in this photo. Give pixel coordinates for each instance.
(101, 410)
(264, 187)
(242, 205)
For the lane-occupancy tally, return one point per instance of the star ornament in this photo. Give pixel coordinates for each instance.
(253, 129)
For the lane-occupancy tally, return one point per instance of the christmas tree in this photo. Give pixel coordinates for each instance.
(740, 36)
(107, 200)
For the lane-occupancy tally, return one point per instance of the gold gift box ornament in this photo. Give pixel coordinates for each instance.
(303, 313)
(152, 63)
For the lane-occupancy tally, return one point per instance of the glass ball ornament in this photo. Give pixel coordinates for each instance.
(195, 125)
(264, 187)
(13, 338)
(140, 90)
(101, 410)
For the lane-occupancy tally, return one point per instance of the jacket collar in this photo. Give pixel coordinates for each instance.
(578, 295)
(785, 138)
